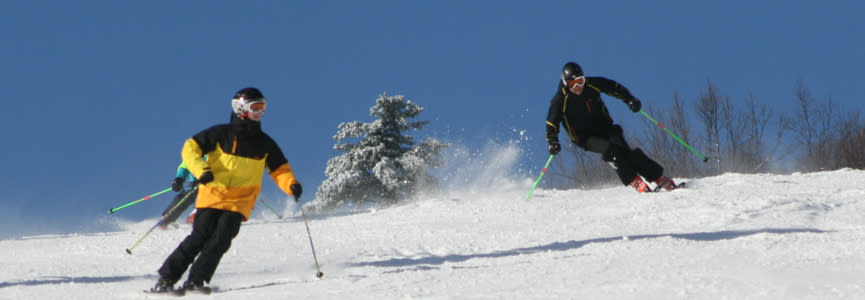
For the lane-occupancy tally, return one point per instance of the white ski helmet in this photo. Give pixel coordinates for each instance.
(248, 100)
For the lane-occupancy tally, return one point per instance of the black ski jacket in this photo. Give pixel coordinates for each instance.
(585, 114)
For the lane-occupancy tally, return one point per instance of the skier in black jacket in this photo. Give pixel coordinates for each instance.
(578, 106)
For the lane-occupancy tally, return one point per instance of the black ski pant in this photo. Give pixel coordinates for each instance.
(172, 215)
(628, 162)
(212, 232)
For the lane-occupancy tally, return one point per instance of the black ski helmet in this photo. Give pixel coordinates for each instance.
(248, 93)
(570, 71)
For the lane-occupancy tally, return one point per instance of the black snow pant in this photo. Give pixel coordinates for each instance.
(211, 237)
(172, 215)
(628, 162)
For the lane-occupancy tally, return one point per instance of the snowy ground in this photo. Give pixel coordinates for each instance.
(799, 236)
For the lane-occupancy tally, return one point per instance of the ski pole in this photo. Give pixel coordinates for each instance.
(162, 219)
(675, 137)
(129, 250)
(171, 210)
(271, 208)
(543, 171)
(111, 211)
(318, 272)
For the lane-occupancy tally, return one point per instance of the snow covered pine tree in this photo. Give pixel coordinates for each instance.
(384, 165)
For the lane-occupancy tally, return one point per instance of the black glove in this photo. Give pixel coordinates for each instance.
(296, 190)
(634, 105)
(177, 185)
(206, 177)
(554, 148)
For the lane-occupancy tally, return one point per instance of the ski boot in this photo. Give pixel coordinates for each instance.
(191, 217)
(164, 286)
(196, 287)
(640, 185)
(665, 183)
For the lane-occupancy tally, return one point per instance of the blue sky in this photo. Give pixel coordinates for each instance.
(100, 95)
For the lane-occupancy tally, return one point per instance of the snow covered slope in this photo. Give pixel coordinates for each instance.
(734, 236)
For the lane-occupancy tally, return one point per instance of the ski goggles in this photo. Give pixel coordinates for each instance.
(578, 81)
(257, 107)
(242, 105)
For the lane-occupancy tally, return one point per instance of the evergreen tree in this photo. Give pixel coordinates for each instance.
(379, 163)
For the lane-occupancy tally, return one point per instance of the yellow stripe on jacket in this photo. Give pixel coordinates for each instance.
(236, 179)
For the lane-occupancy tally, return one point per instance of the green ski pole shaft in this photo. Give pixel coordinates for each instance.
(129, 250)
(111, 211)
(180, 202)
(543, 171)
(271, 208)
(675, 137)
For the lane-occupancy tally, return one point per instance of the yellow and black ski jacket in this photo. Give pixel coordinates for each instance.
(585, 114)
(237, 155)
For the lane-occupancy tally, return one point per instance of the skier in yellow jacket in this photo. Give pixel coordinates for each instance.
(229, 182)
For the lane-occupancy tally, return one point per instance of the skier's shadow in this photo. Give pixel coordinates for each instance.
(66, 279)
(570, 245)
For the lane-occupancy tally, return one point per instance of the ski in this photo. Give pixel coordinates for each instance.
(678, 186)
(663, 182)
(203, 290)
(216, 289)
(254, 286)
(174, 292)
